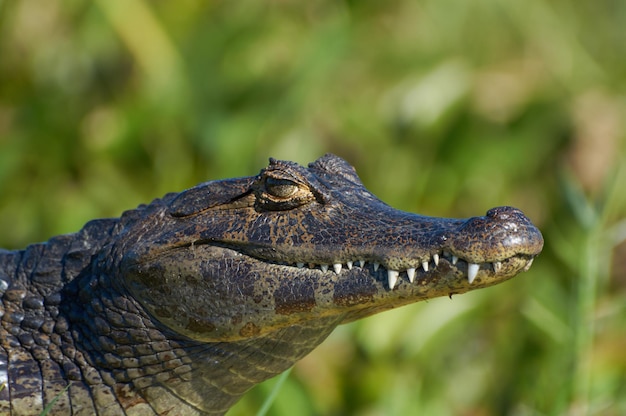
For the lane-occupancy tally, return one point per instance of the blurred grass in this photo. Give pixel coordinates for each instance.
(445, 108)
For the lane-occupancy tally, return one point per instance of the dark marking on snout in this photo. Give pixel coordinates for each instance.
(295, 297)
(355, 292)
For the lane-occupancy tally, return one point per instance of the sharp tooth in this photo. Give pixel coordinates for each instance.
(337, 267)
(300, 265)
(454, 259)
(349, 264)
(472, 271)
(361, 263)
(324, 267)
(392, 276)
(376, 266)
(425, 266)
(497, 265)
(411, 273)
(436, 259)
(530, 263)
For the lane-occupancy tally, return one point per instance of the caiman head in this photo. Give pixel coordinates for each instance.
(240, 258)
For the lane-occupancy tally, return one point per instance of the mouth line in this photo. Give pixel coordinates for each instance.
(394, 276)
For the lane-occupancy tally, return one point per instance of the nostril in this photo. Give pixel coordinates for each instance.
(504, 213)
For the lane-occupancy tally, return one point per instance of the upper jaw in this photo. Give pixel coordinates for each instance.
(502, 243)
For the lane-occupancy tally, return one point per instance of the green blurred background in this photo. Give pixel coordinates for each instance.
(444, 107)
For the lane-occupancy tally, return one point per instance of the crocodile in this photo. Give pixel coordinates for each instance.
(180, 306)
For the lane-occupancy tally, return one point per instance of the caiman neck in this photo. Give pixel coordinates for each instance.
(168, 371)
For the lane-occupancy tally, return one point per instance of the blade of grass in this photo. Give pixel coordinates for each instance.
(272, 396)
(597, 248)
(51, 404)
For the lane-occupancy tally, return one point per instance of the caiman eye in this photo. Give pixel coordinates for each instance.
(280, 188)
(277, 193)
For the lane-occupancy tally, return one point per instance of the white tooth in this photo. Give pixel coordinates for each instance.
(361, 263)
(436, 259)
(337, 267)
(530, 263)
(425, 266)
(349, 264)
(376, 266)
(454, 259)
(411, 273)
(324, 267)
(392, 276)
(472, 271)
(300, 265)
(497, 265)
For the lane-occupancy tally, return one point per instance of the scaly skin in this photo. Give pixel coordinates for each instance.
(181, 306)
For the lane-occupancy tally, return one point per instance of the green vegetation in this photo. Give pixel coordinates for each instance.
(445, 108)
(50, 405)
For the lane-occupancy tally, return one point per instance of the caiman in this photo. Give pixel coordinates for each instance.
(180, 306)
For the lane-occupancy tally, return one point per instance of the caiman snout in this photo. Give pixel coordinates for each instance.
(502, 233)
